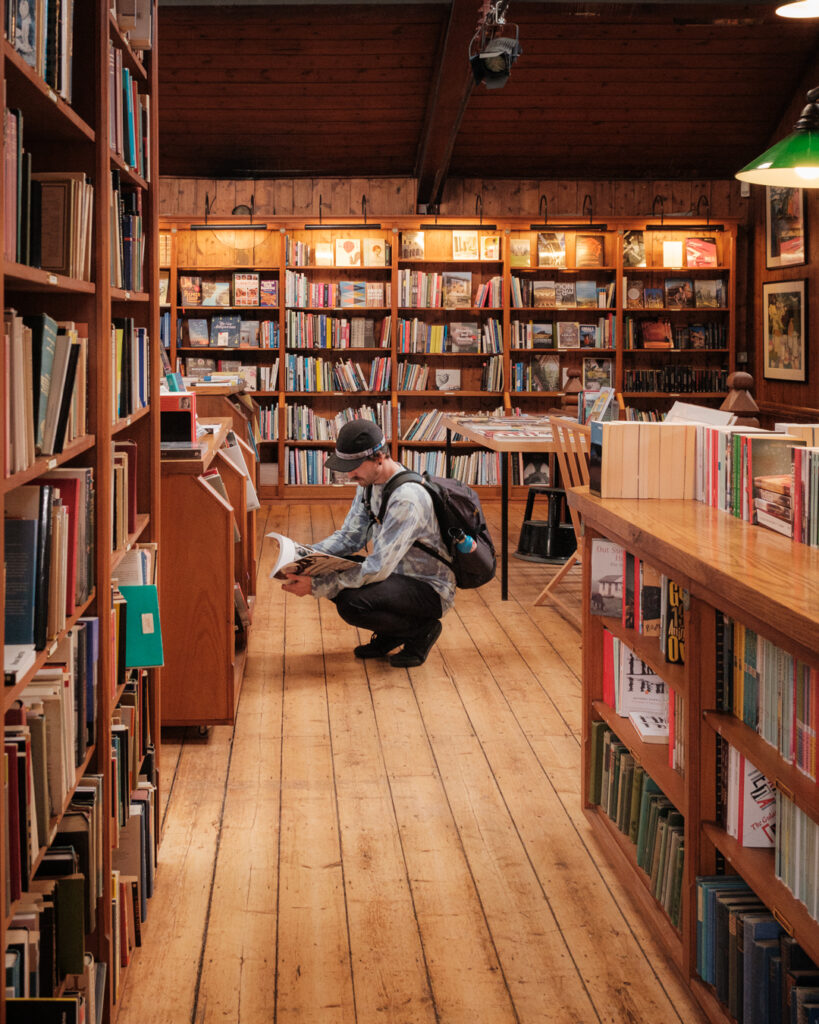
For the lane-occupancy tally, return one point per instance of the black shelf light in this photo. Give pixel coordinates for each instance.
(587, 208)
(662, 226)
(321, 226)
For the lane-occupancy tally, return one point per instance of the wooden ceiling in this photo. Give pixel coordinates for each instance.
(602, 90)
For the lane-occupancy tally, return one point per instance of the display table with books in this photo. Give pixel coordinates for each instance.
(725, 659)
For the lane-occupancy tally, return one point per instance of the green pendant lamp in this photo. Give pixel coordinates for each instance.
(794, 161)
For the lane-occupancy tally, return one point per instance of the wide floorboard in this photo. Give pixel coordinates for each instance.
(372, 844)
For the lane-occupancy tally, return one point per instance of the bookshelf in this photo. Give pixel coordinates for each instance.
(73, 135)
(762, 581)
(519, 304)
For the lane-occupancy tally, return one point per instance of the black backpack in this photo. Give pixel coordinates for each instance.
(457, 509)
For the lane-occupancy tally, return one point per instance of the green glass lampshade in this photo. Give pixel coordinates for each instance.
(793, 162)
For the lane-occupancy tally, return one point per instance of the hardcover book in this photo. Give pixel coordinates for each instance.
(565, 294)
(586, 294)
(568, 334)
(268, 291)
(224, 331)
(673, 253)
(447, 379)
(464, 245)
(751, 804)
(520, 252)
(606, 578)
(490, 247)
(245, 289)
(348, 252)
(679, 293)
(588, 336)
(708, 293)
(590, 251)
(634, 249)
(546, 373)
(543, 336)
(215, 293)
(196, 332)
(324, 254)
(463, 337)
(374, 252)
(412, 245)
(551, 249)
(700, 252)
(457, 289)
(190, 290)
(653, 298)
(597, 374)
(634, 294)
(544, 294)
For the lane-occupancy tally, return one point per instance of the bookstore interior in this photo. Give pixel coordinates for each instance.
(210, 267)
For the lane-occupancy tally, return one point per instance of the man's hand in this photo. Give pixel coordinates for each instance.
(298, 585)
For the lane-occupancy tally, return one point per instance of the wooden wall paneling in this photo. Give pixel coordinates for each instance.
(452, 197)
(567, 204)
(305, 197)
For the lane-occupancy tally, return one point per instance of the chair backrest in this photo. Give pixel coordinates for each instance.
(572, 446)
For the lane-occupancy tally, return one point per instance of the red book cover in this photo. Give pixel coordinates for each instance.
(608, 668)
(672, 720)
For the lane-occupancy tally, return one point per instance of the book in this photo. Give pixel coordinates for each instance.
(520, 252)
(679, 293)
(653, 298)
(375, 252)
(543, 335)
(348, 252)
(544, 294)
(565, 294)
(302, 560)
(634, 294)
(708, 293)
(568, 334)
(190, 290)
(597, 374)
(224, 331)
(323, 255)
(751, 803)
(268, 291)
(143, 636)
(245, 289)
(457, 289)
(634, 249)
(700, 252)
(196, 332)
(412, 245)
(586, 294)
(673, 253)
(651, 727)
(464, 337)
(490, 247)
(551, 249)
(448, 380)
(590, 250)
(606, 580)
(464, 245)
(215, 293)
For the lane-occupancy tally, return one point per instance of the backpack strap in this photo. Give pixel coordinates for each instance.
(406, 476)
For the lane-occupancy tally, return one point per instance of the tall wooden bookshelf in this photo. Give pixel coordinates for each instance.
(597, 309)
(75, 129)
(766, 583)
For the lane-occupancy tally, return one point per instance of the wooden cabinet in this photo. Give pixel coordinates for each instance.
(72, 133)
(762, 581)
(408, 317)
(212, 537)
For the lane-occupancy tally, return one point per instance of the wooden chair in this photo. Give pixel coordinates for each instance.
(571, 440)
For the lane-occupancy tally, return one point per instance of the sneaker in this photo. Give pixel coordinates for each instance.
(414, 652)
(378, 647)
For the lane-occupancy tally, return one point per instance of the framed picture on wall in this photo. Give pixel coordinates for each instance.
(785, 227)
(785, 325)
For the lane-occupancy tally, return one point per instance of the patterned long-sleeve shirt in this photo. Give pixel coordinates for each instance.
(409, 517)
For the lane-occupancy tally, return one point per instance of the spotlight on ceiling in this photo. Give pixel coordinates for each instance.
(799, 9)
(491, 52)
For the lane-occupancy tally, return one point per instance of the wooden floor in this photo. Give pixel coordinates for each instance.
(373, 844)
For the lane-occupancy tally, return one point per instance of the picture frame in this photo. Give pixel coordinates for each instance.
(784, 330)
(785, 244)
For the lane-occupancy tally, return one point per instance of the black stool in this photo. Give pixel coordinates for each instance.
(547, 540)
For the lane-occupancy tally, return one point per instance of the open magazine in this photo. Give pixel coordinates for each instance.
(303, 560)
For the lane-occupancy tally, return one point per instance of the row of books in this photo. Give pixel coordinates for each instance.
(676, 293)
(563, 333)
(47, 215)
(302, 423)
(642, 812)
(243, 288)
(42, 419)
(300, 290)
(317, 330)
(467, 244)
(343, 252)
(630, 685)
(306, 466)
(746, 799)
(530, 292)
(48, 528)
(268, 422)
(308, 373)
(254, 376)
(798, 501)
(677, 379)
(769, 690)
(797, 840)
(227, 330)
(695, 251)
(413, 376)
(448, 290)
(130, 346)
(589, 250)
(758, 971)
(477, 468)
(129, 115)
(43, 35)
(127, 236)
(662, 334)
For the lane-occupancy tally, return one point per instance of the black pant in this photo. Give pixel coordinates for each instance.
(399, 606)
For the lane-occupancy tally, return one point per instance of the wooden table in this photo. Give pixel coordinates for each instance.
(502, 434)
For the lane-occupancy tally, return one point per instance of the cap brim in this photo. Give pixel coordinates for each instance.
(343, 465)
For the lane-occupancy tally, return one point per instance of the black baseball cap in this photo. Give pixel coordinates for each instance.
(356, 442)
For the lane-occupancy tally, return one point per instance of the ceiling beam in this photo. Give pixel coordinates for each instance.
(448, 98)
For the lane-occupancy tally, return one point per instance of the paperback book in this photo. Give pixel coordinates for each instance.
(634, 249)
(551, 249)
(520, 252)
(215, 293)
(590, 250)
(302, 560)
(464, 245)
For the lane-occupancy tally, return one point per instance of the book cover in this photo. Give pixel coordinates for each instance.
(568, 334)
(544, 294)
(588, 336)
(490, 247)
(653, 298)
(590, 251)
(348, 252)
(457, 289)
(640, 688)
(352, 294)
(546, 373)
(751, 806)
(143, 635)
(673, 253)
(224, 331)
(323, 255)
(675, 602)
(634, 294)
(268, 291)
(586, 294)
(651, 728)
(650, 592)
(448, 379)
(196, 332)
(543, 335)
(464, 245)
(551, 249)
(215, 293)
(708, 293)
(245, 289)
(463, 337)
(597, 374)
(700, 252)
(634, 249)
(374, 252)
(565, 294)
(520, 252)
(412, 245)
(606, 578)
(190, 290)
(679, 293)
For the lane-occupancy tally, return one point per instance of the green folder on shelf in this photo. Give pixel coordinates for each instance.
(143, 635)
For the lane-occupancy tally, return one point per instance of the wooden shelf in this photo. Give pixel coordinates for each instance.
(647, 649)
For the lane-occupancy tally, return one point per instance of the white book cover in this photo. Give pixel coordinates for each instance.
(651, 728)
(639, 689)
(751, 803)
(606, 577)
(348, 252)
